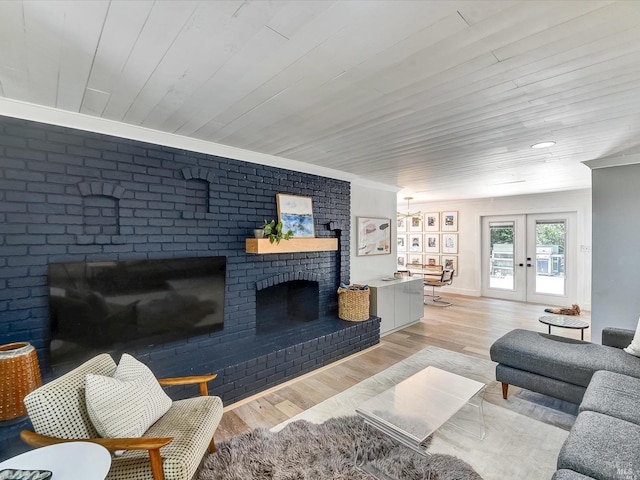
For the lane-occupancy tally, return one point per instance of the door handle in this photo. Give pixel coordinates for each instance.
(521, 264)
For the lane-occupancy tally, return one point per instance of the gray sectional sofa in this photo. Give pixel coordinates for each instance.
(603, 379)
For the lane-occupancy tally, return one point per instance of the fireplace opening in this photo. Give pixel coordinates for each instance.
(286, 305)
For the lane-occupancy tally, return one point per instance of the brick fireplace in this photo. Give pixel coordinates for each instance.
(69, 195)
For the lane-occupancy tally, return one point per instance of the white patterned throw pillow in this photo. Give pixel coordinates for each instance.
(634, 346)
(127, 404)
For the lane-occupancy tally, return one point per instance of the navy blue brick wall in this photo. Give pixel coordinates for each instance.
(48, 172)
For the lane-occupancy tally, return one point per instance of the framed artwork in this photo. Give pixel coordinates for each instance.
(449, 243)
(402, 243)
(449, 222)
(432, 260)
(402, 261)
(431, 243)
(374, 236)
(414, 259)
(402, 224)
(450, 262)
(296, 214)
(415, 224)
(415, 242)
(432, 222)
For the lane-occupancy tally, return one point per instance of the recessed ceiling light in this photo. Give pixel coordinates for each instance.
(543, 145)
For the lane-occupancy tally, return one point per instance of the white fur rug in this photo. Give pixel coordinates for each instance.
(523, 434)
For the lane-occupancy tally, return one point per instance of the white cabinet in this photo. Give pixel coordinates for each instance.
(397, 302)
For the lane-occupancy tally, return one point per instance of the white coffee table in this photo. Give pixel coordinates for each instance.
(415, 408)
(67, 461)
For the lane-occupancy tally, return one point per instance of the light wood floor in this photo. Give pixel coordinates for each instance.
(470, 326)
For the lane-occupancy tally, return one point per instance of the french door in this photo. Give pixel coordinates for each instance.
(530, 258)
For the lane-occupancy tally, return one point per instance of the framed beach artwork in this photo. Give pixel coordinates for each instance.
(449, 243)
(449, 222)
(374, 236)
(296, 214)
(432, 222)
(431, 243)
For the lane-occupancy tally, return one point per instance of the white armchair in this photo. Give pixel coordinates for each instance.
(171, 449)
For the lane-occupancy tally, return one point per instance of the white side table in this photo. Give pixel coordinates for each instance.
(67, 461)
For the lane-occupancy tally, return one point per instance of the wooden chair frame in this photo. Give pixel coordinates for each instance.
(152, 445)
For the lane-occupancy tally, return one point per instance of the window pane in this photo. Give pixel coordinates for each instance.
(550, 255)
(501, 255)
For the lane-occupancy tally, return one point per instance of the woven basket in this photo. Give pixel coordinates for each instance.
(20, 375)
(353, 305)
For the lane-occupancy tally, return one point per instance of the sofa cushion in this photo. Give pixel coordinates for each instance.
(613, 394)
(565, 474)
(127, 404)
(191, 423)
(572, 361)
(602, 447)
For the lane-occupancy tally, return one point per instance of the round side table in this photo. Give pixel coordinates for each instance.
(564, 322)
(67, 461)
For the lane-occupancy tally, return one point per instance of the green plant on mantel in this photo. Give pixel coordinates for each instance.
(273, 231)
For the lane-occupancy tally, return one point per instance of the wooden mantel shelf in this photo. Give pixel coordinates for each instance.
(293, 245)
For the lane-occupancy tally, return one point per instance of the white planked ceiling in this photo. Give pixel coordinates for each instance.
(443, 98)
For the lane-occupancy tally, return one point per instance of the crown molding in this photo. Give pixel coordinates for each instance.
(607, 162)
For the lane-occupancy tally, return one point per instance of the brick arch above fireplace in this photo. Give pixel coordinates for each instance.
(286, 277)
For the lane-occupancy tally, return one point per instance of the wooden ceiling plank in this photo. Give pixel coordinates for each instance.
(43, 22)
(164, 23)
(360, 109)
(584, 59)
(390, 10)
(503, 62)
(13, 61)
(82, 20)
(200, 51)
(122, 26)
(369, 156)
(509, 25)
(329, 55)
(590, 26)
(245, 88)
(409, 120)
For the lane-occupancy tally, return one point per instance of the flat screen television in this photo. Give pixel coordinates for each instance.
(113, 306)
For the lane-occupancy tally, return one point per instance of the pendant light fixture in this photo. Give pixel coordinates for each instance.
(410, 214)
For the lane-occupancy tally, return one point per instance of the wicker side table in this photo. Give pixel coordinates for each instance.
(20, 375)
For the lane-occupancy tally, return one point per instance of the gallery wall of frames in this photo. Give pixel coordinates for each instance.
(431, 239)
